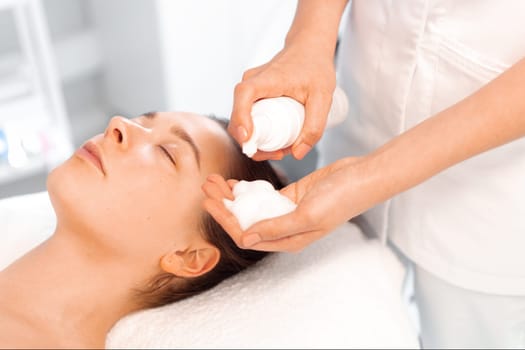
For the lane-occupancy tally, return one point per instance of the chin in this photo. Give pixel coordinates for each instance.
(68, 191)
(58, 186)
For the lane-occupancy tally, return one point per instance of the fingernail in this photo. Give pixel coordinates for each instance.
(251, 239)
(242, 134)
(302, 150)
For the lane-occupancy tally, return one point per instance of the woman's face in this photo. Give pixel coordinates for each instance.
(136, 189)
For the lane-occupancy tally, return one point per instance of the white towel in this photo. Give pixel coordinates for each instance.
(342, 292)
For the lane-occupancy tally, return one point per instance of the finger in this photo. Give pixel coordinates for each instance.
(290, 191)
(251, 72)
(240, 126)
(217, 188)
(232, 183)
(273, 229)
(223, 184)
(212, 191)
(224, 218)
(274, 155)
(244, 96)
(316, 112)
(291, 244)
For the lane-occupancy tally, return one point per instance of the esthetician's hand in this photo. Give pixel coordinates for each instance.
(322, 205)
(299, 72)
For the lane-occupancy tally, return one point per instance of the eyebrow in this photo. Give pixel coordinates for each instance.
(181, 134)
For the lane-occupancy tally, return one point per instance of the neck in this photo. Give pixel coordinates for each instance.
(63, 287)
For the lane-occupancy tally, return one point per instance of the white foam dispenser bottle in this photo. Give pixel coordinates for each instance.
(277, 121)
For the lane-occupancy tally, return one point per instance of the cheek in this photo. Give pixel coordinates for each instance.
(162, 200)
(152, 205)
(139, 210)
(153, 215)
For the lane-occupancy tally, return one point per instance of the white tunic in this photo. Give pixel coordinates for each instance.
(403, 61)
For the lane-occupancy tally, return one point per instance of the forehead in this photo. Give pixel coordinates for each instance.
(194, 124)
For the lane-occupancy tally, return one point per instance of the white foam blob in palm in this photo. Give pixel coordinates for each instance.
(257, 200)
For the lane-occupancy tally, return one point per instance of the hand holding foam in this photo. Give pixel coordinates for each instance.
(257, 200)
(278, 121)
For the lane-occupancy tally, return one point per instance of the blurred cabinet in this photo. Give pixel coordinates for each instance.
(51, 98)
(34, 128)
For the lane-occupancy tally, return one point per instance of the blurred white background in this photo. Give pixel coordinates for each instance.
(91, 59)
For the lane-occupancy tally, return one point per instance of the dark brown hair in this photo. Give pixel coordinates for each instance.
(166, 287)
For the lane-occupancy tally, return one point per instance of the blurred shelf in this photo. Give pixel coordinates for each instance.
(29, 117)
(24, 109)
(14, 82)
(77, 55)
(33, 120)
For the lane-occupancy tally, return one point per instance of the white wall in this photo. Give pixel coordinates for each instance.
(133, 75)
(207, 44)
(184, 55)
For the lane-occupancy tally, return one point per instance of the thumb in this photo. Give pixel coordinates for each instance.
(273, 229)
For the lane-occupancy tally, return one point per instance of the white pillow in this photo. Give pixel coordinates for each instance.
(343, 291)
(25, 221)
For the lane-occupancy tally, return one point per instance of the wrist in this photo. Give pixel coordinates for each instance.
(316, 26)
(367, 183)
(311, 41)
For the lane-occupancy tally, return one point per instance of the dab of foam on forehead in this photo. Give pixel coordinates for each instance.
(257, 200)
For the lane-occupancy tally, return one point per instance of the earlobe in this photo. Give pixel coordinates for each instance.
(192, 262)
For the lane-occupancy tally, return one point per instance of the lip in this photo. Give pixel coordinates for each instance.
(90, 152)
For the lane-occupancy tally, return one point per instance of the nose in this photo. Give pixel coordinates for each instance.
(118, 131)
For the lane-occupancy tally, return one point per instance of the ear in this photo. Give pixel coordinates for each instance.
(191, 262)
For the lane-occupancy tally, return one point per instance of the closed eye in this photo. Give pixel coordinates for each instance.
(168, 154)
